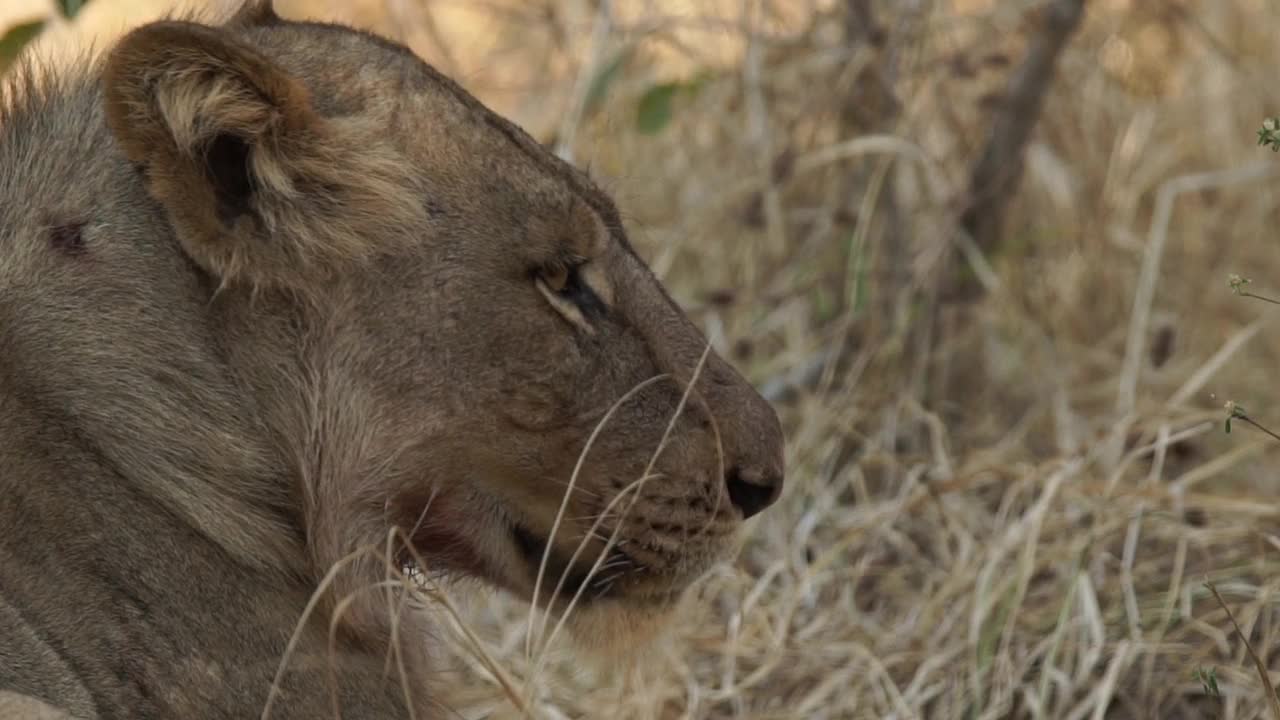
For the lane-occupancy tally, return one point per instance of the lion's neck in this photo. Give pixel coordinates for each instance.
(130, 557)
(154, 442)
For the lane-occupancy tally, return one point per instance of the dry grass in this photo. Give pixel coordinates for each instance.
(1006, 508)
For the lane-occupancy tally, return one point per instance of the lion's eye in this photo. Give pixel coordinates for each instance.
(557, 277)
(564, 279)
(564, 286)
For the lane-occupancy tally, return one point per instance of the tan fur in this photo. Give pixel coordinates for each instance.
(173, 87)
(275, 298)
(23, 707)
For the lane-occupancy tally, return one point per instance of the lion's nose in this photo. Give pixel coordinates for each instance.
(753, 441)
(752, 494)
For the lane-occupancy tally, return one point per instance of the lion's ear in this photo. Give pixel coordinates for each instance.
(229, 143)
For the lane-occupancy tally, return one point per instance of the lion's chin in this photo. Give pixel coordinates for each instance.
(619, 632)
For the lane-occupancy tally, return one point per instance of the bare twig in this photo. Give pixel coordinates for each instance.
(1273, 703)
(1263, 298)
(1238, 284)
(1235, 412)
(1250, 421)
(995, 175)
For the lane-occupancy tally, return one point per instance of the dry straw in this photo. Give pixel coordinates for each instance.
(1006, 507)
(1010, 502)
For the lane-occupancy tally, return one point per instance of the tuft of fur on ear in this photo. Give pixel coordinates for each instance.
(258, 186)
(254, 13)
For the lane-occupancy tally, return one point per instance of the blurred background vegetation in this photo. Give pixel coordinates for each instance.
(978, 253)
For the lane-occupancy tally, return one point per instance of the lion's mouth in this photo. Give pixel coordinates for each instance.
(456, 549)
(569, 578)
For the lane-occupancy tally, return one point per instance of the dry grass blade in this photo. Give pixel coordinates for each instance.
(988, 513)
(1163, 216)
(1273, 702)
(1215, 363)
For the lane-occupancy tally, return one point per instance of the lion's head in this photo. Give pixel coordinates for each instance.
(363, 301)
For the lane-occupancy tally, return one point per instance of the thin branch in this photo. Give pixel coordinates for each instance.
(1273, 703)
(995, 175)
(1256, 425)
(1255, 296)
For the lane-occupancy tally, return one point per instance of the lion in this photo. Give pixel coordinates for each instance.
(285, 312)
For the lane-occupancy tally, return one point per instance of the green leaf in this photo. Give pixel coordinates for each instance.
(1228, 426)
(860, 292)
(17, 38)
(603, 79)
(1269, 135)
(70, 8)
(1209, 681)
(824, 307)
(654, 111)
(699, 81)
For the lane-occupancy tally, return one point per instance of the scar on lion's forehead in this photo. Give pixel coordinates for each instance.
(67, 238)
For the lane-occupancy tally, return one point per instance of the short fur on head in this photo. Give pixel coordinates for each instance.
(273, 293)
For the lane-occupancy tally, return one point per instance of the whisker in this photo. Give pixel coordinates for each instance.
(571, 488)
(611, 579)
(602, 591)
(638, 485)
(721, 489)
(564, 503)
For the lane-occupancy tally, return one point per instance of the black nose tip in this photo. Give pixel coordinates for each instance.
(750, 495)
